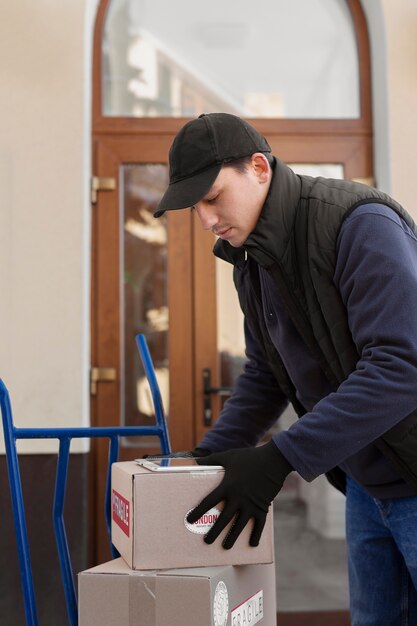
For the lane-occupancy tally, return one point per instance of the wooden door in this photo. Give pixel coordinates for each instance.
(169, 262)
(141, 282)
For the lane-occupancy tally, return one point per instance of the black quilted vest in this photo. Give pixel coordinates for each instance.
(295, 240)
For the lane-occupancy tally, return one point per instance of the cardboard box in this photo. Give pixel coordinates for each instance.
(215, 596)
(149, 528)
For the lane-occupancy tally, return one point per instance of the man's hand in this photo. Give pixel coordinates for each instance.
(252, 479)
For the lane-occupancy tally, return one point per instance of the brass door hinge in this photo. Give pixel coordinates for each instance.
(101, 374)
(101, 183)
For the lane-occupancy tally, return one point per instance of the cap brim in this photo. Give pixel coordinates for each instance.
(187, 192)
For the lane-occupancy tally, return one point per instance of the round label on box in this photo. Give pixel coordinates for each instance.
(203, 525)
(220, 605)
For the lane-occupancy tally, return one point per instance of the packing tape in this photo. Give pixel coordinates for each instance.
(142, 600)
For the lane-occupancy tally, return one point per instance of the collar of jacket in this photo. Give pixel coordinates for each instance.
(277, 216)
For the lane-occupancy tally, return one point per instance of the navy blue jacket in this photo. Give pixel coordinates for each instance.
(376, 276)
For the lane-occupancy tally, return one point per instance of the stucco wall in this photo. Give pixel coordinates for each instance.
(392, 28)
(401, 28)
(44, 213)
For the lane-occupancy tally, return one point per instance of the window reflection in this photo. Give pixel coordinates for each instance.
(172, 59)
(143, 289)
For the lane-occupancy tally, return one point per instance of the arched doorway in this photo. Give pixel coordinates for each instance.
(161, 278)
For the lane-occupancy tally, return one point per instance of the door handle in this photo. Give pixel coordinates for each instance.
(208, 391)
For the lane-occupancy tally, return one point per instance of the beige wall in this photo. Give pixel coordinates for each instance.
(45, 95)
(44, 226)
(401, 28)
(392, 26)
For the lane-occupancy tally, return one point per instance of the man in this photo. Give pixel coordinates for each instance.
(326, 273)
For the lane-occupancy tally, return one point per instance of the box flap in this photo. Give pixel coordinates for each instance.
(196, 572)
(130, 467)
(117, 566)
(133, 468)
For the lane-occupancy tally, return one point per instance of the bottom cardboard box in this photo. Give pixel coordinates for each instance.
(114, 595)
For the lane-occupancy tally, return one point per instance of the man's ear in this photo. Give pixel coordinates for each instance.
(261, 167)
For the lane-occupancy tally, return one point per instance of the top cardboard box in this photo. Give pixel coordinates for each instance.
(149, 528)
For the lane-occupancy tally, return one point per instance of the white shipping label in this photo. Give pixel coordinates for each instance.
(220, 605)
(206, 521)
(250, 612)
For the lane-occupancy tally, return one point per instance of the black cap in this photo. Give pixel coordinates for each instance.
(198, 153)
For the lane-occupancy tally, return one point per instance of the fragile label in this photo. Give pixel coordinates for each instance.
(121, 512)
(250, 612)
(206, 521)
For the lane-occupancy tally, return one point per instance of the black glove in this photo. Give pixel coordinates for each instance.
(252, 479)
(189, 454)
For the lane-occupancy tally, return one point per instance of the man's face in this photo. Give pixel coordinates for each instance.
(232, 206)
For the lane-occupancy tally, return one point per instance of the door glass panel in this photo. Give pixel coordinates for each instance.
(143, 280)
(328, 170)
(293, 59)
(230, 336)
(309, 521)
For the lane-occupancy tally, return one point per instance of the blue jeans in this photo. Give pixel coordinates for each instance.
(382, 558)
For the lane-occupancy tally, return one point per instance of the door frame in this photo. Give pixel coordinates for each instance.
(110, 154)
(346, 141)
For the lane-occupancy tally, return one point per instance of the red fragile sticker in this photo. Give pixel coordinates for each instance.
(121, 512)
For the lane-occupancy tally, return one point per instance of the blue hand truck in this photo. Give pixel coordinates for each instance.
(65, 435)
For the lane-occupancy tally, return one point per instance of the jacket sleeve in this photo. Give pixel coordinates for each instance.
(256, 403)
(376, 274)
